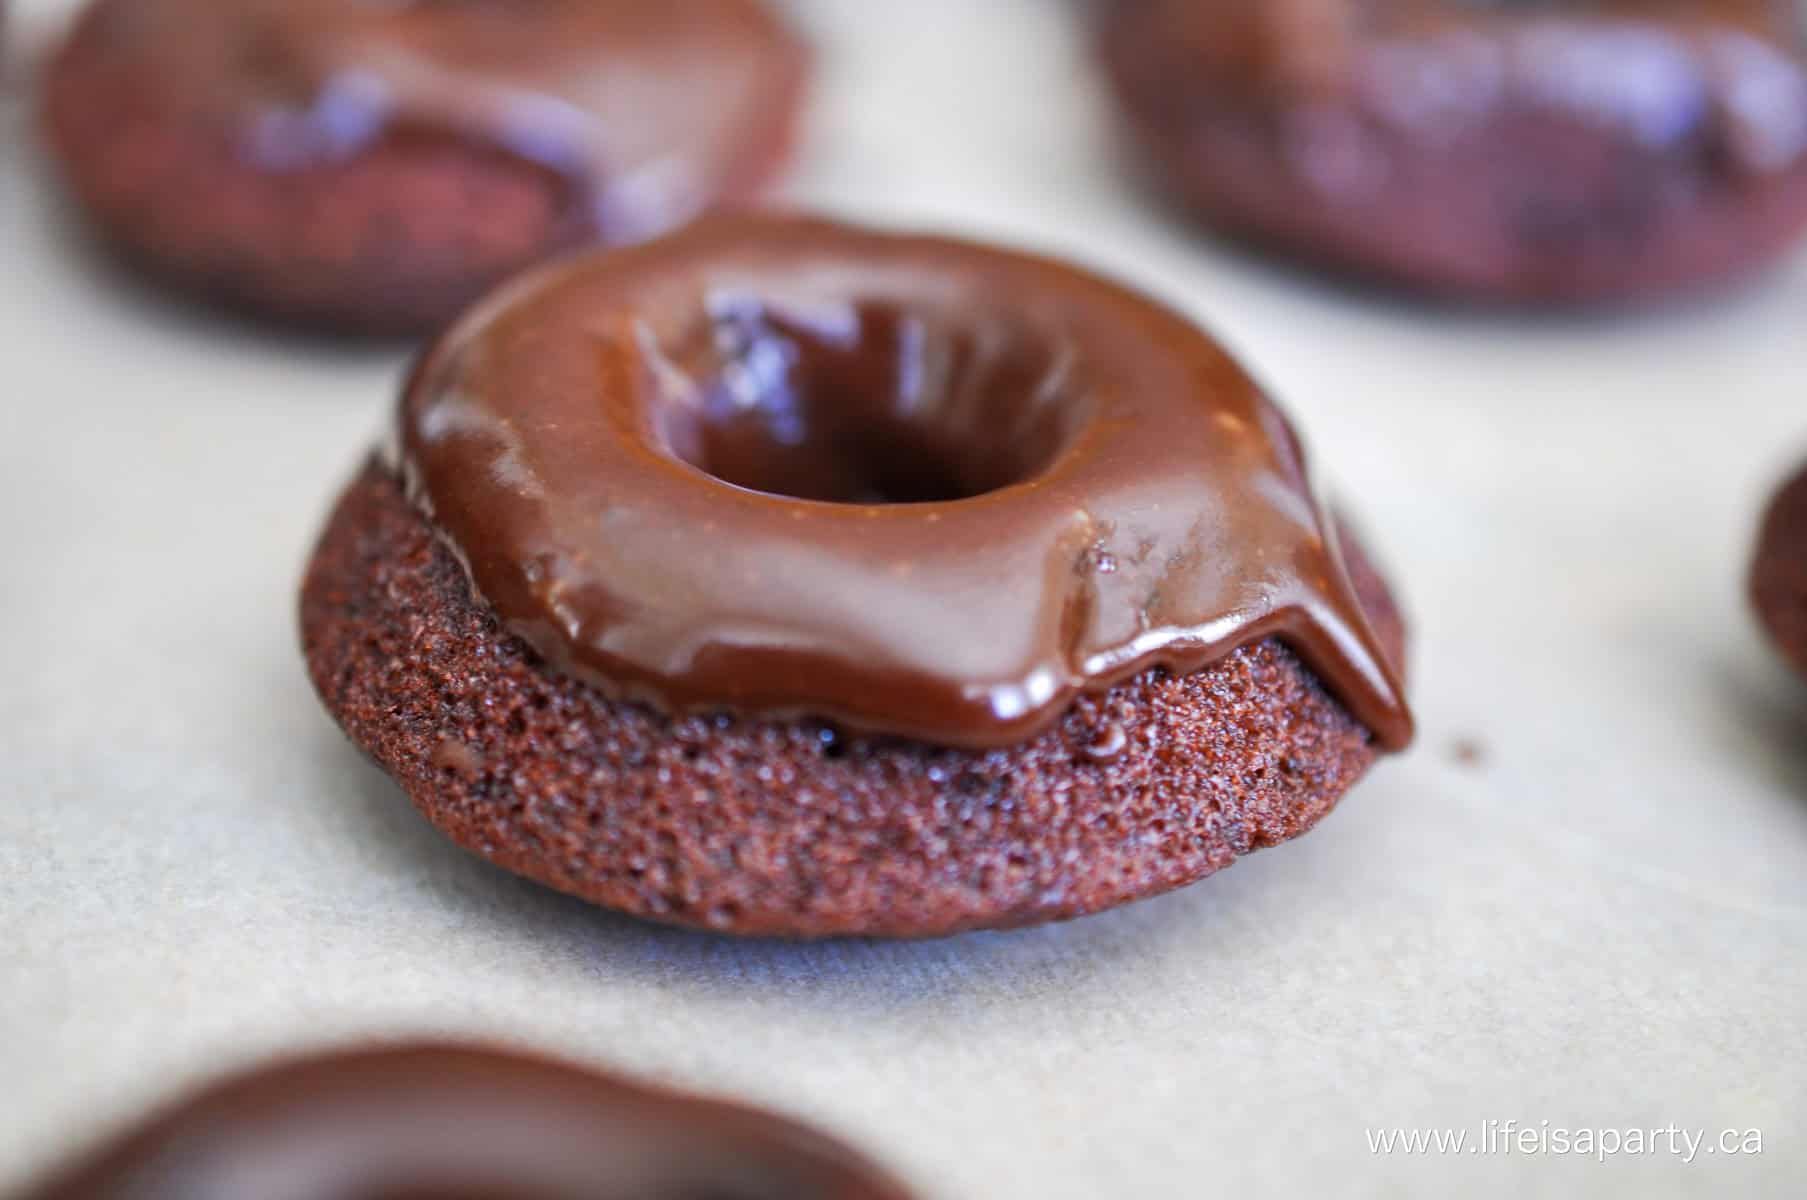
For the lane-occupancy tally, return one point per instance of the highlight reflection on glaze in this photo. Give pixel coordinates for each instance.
(914, 486)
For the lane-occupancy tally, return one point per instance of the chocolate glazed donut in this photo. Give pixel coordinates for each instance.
(1557, 151)
(378, 166)
(440, 1122)
(784, 578)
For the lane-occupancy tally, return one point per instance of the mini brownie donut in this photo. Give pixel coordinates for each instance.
(1552, 151)
(446, 1122)
(374, 167)
(784, 578)
(1778, 582)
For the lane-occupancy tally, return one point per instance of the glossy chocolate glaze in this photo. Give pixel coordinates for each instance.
(912, 486)
(1720, 77)
(433, 1122)
(646, 110)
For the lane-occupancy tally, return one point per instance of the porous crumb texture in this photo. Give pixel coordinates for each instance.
(782, 827)
(397, 239)
(1779, 575)
(1525, 209)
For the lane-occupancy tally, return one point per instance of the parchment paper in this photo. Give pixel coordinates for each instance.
(1581, 900)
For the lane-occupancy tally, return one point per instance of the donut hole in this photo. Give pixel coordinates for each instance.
(865, 402)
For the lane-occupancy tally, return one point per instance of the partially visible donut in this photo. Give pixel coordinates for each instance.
(431, 1121)
(1778, 579)
(1559, 151)
(375, 167)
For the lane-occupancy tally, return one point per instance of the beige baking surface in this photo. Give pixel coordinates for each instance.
(1600, 923)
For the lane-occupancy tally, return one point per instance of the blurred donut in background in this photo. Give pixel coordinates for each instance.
(374, 165)
(1538, 151)
(431, 1121)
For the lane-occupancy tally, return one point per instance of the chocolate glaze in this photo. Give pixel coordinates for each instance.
(642, 108)
(910, 485)
(432, 1122)
(1723, 76)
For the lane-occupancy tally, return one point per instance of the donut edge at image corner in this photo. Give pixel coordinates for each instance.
(377, 1118)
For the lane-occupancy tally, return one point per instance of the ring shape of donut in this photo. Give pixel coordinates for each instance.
(914, 486)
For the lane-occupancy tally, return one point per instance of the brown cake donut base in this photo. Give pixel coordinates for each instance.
(766, 827)
(1778, 583)
(395, 240)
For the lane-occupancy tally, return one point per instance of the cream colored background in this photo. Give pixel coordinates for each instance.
(1603, 923)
